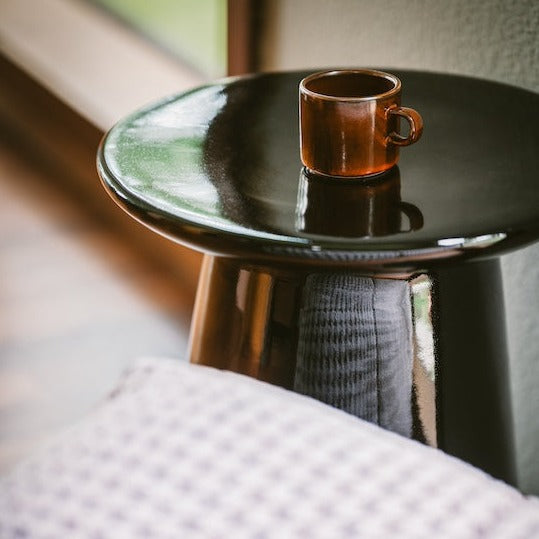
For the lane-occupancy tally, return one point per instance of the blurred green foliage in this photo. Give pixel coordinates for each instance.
(194, 30)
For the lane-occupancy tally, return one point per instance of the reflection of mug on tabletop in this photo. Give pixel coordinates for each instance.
(337, 207)
(349, 122)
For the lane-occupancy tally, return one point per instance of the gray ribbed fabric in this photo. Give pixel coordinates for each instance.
(355, 347)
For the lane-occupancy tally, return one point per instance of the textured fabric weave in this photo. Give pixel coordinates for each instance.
(355, 347)
(188, 451)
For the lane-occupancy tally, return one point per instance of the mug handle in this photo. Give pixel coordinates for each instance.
(415, 217)
(416, 126)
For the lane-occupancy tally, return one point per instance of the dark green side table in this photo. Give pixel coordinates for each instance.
(383, 298)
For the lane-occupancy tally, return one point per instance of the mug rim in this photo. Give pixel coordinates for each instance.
(334, 72)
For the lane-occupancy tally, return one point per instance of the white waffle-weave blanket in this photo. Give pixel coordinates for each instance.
(187, 451)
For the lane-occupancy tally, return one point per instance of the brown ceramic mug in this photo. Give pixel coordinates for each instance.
(349, 122)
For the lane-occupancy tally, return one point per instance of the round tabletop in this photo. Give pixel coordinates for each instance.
(218, 169)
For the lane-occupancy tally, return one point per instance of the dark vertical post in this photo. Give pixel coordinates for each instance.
(241, 32)
(473, 387)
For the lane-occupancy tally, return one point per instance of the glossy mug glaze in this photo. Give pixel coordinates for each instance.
(349, 122)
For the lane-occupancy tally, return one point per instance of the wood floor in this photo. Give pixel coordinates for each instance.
(77, 305)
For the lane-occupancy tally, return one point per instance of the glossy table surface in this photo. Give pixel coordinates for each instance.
(218, 168)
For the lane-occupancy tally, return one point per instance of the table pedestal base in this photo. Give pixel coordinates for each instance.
(365, 344)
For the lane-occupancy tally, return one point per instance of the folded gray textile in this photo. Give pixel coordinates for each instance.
(355, 347)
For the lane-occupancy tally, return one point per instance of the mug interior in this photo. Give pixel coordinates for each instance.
(351, 84)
